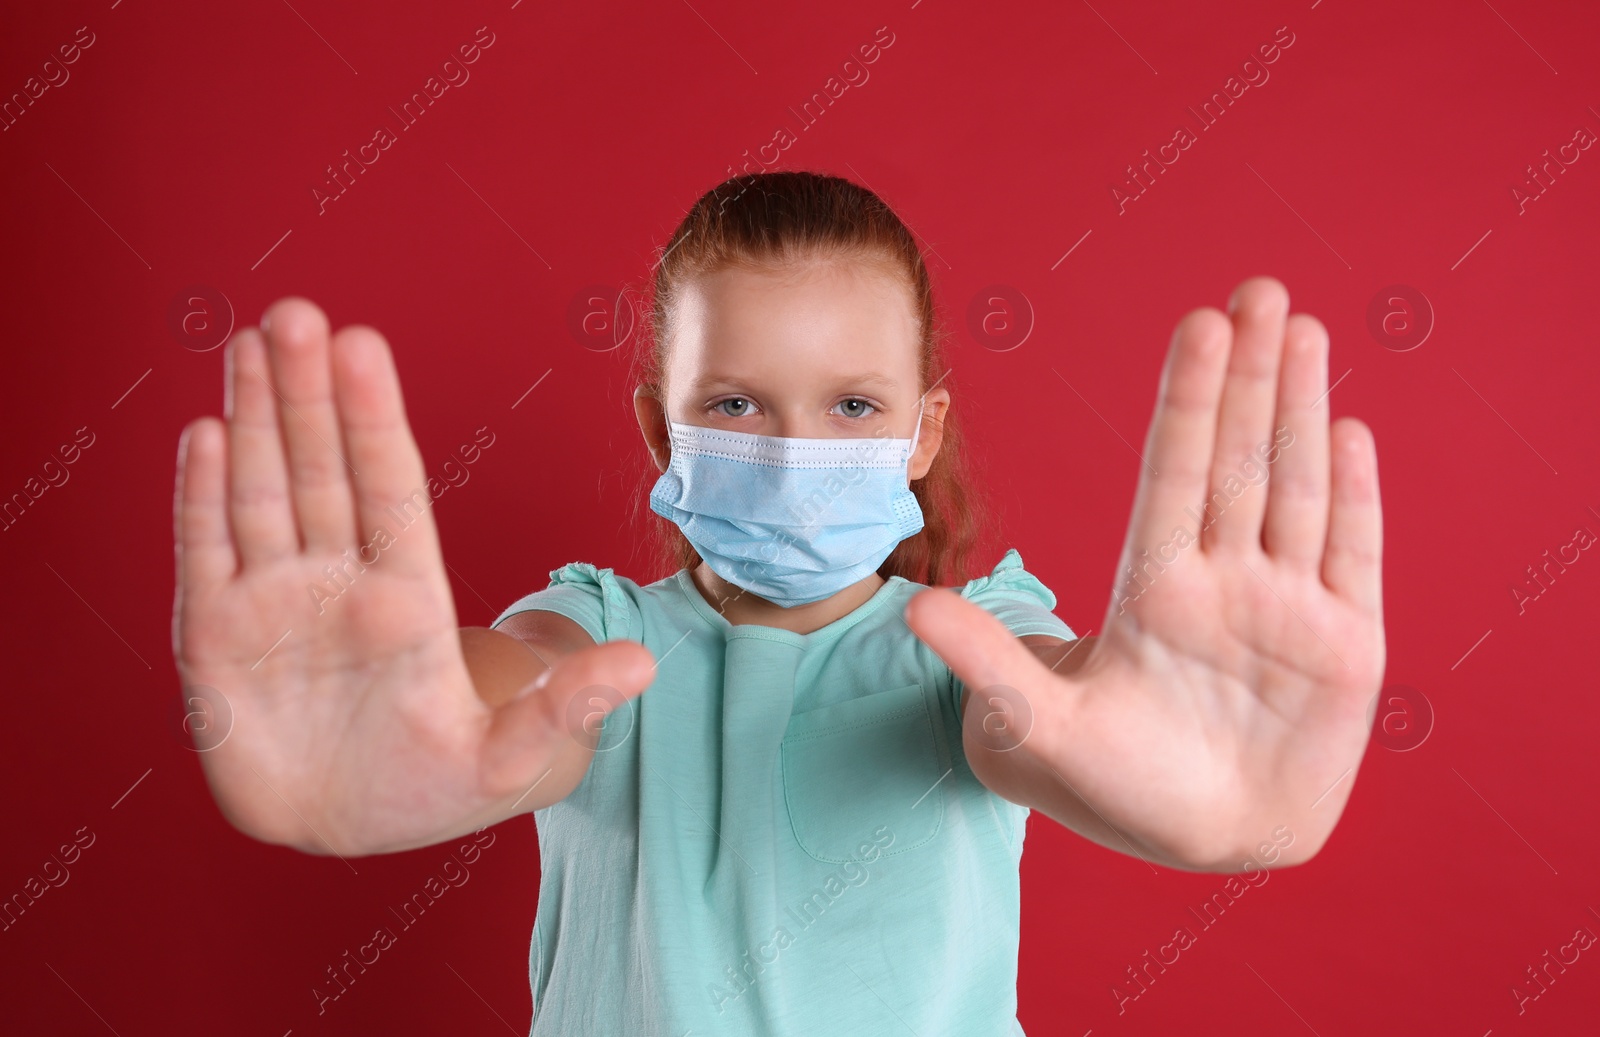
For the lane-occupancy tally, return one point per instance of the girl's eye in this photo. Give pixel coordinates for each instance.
(860, 408)
(741, 406)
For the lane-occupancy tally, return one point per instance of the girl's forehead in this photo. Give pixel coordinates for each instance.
(825, 317)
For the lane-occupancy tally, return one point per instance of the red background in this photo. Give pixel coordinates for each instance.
(1385, 145)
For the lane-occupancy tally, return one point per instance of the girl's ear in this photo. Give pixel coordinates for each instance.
(653, 423)
(932, 434)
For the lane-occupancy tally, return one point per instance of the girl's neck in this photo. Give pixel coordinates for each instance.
(741, 607)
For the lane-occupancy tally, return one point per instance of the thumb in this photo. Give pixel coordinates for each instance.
(568, 701)
(999, 671)
(972, 642)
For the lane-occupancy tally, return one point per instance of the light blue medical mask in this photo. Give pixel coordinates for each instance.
(793, 520)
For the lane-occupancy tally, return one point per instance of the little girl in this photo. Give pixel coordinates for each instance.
(764, 800)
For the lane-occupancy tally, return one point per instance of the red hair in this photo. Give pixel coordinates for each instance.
(783, 217)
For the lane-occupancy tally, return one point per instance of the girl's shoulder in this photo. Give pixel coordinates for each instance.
(1010, 576)
(606, 605)
(1018, 598)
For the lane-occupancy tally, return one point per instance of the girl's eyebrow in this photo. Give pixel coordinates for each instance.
(725, 381)
(717, 382)
(870, 378)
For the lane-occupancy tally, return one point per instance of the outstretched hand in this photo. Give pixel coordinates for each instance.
(314, 620)
(1227, 695)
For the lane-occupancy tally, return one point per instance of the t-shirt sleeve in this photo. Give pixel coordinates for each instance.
(1016, 598)
(588, 596)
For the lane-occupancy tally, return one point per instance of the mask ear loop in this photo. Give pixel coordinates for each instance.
(915, 435)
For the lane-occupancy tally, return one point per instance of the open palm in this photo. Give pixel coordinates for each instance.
(313, 627)
(1227, 694)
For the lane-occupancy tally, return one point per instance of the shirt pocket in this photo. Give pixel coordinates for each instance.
(857, 771)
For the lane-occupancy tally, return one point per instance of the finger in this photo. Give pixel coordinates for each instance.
(260, 512)
(1258, 307)
(1172, 483)
(1352, 565)
(562, 704)
(319, 474)
(391, 489)
(206, 556)
(1297, 502)
(977, 647)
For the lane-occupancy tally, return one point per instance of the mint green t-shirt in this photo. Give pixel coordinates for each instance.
(781, 835)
